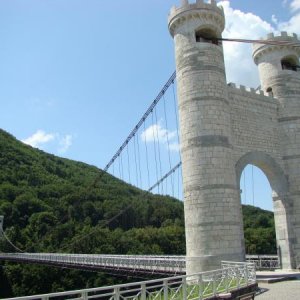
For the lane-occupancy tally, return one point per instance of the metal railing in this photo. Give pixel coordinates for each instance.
(230, 277)
(148, 264)
(144, 263)
(264, 262)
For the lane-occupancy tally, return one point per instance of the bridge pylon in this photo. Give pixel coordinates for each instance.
(214, 230)
(279, 72)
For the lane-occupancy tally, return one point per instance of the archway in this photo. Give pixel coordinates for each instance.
(258, 216)
(279, 185)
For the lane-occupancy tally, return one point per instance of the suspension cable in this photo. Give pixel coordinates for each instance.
(135, 162)
(144, 117)
(147, 160)
(168, 143)
(264, 42)
(158, 147)
(9, 241)
(252, 186)
(139, 160)
(164, 177)
(128, 163)
(154, 145)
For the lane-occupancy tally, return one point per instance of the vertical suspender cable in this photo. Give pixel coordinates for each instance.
(128, 163)
(158, 147)
(177, 126)
(168, 142)
(252, 186)
(135, 161)
(245, 192)
(139, 160)
(147, 160)
(154, 145)
(122, 173)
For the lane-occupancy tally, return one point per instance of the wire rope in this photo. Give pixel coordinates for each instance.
(9, 241)
(168, 143)
(128, 163)
(252, 186)
(158, 146)
(139, 160)
(135, 162)
(245, 191)
(154, 145)
(147, 159)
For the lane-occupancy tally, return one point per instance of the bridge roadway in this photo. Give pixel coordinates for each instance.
(164, 265)
(137, 264)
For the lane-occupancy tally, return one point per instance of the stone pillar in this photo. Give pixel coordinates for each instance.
(280, 76)
(213, 218)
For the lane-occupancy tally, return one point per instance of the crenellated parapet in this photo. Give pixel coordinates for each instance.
(261, 49)
(201, 10)
(250, 91)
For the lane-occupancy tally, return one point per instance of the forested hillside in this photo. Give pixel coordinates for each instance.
(52, 204)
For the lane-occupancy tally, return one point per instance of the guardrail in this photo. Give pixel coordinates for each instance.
(264, 262)
(156, 264)
(147, 264)
(200, 286)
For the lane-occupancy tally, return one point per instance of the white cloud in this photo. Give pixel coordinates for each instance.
(238, 56)
(295, 5)
(157, 132)
(65, 143)
(284, 3)
(291, 26)
(274, 19)
(39, 138)
(50, 141)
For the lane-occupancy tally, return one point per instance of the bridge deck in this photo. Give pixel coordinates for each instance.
(124, 263)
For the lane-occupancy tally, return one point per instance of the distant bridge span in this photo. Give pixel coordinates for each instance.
(126, 264)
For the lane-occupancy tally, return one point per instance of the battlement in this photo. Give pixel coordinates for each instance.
(188, 9)
(283, 35)
(259, 49)
(249, 90)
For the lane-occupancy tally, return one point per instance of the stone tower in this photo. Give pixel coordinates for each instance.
(279, 75)
(214, 230)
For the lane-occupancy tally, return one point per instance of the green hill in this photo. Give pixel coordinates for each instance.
(51, 204)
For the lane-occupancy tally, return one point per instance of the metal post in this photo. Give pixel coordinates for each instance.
(200, 283)
(84, 295)
(143, 291)
(117, 293)
(227, 280)
(184, 289)
(165, 289)
(246, 275)
(214, 284)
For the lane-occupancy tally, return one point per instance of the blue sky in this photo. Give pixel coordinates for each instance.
(76, 75)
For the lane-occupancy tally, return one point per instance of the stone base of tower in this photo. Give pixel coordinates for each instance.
(197, 264)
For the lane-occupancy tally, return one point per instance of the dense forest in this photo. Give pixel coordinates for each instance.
(51, 204)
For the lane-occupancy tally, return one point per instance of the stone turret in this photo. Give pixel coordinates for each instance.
(211, 196)
(280, 75)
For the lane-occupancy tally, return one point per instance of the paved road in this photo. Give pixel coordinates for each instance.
(285, 290)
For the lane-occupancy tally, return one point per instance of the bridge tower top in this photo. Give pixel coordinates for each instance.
(204, 18)
(278, 60)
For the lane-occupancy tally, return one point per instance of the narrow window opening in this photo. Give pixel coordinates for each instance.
(207, 36)
(269, 90)
(289, 63)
